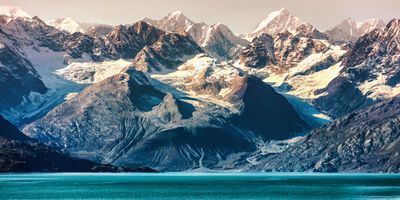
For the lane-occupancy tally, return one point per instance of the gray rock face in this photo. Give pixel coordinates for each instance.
(364, 141)
(17, 78)
(130, 119)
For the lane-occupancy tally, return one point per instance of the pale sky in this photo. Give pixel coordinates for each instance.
(240, 15)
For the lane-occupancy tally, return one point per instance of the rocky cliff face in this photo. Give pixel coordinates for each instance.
(364, 141)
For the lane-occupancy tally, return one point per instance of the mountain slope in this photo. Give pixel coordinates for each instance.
(370, 72)
(19, 153)
(364, 141)
(130, 115)
(131, 119)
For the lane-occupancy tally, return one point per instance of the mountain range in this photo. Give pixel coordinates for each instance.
(172, 94)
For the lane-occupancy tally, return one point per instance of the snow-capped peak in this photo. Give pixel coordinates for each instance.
(172, 22)
(278, 21)
(66, 24)
(13, 12)
(176, 14)
(351, 30)
(179, 17)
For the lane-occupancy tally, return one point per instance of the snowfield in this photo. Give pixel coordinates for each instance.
(92, 72)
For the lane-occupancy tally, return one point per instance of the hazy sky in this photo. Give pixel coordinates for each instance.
(240, 15)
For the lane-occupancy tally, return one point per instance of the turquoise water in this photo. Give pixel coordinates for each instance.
(176, 186)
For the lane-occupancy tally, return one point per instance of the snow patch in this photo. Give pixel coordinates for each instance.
(13, 12)
(66, 24)
(92, 72)
(377, 88)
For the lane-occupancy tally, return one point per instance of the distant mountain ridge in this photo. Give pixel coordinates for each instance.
(218, 39)
(176, 95)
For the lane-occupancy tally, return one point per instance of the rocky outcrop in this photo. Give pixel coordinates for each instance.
(364, 141)
(259, 53)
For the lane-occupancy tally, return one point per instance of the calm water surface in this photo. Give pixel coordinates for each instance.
(176, 186)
